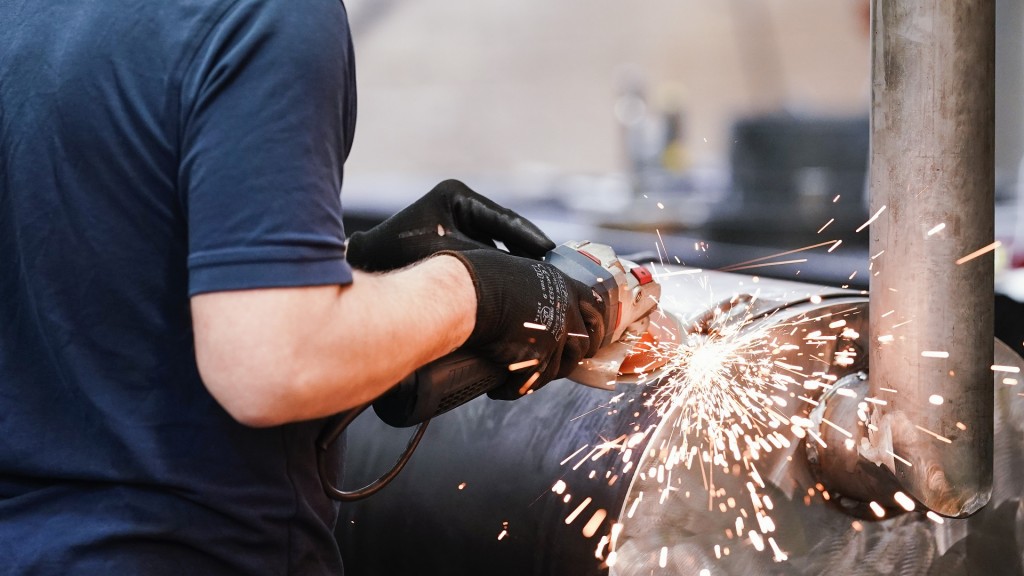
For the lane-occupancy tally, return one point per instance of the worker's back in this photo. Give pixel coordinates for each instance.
(114, 459)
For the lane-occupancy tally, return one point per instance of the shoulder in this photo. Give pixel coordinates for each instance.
(292, 38)
(305, 20)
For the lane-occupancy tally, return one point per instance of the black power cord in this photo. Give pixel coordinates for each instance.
(330, 434)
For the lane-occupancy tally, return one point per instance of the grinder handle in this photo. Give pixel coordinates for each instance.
(438, 387)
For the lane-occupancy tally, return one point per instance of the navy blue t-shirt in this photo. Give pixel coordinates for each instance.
(151, 151)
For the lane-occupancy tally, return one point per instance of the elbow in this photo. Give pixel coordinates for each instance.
(259, 354)
(257, 397)
(272, 393)
(254, 415)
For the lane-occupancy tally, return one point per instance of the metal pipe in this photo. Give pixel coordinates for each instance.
(931, 307)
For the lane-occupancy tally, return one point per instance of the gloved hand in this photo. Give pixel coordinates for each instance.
(532, 317)
(449, 217)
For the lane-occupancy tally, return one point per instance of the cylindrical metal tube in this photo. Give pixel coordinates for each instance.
(932, 181)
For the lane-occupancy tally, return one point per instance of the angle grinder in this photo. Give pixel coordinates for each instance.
(630, 294)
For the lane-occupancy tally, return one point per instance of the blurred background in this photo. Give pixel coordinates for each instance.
(723, 131)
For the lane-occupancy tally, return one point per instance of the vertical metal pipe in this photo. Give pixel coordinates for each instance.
(932, 182)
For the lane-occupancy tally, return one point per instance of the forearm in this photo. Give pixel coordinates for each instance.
(386, 326)
(280, 355)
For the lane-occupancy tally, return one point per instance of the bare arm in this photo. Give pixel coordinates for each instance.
(272, 356)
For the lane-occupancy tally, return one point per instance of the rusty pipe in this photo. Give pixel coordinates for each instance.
(932, 200)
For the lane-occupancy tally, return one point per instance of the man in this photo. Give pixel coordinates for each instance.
(177, 314)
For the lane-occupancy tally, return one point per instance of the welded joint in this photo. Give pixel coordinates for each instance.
(850, 454)
(850, 449)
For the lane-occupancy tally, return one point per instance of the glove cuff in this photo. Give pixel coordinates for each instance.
(353, 250)
(488, 297)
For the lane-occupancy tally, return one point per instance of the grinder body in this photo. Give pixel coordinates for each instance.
(628, 291)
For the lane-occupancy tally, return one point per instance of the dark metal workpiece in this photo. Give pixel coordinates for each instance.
(485, 468)
(489, 467)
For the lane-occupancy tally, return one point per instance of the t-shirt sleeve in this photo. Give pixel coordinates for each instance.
(268, 114)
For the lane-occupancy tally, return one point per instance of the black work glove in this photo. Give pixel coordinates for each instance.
(531, 317)
(449, 217)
